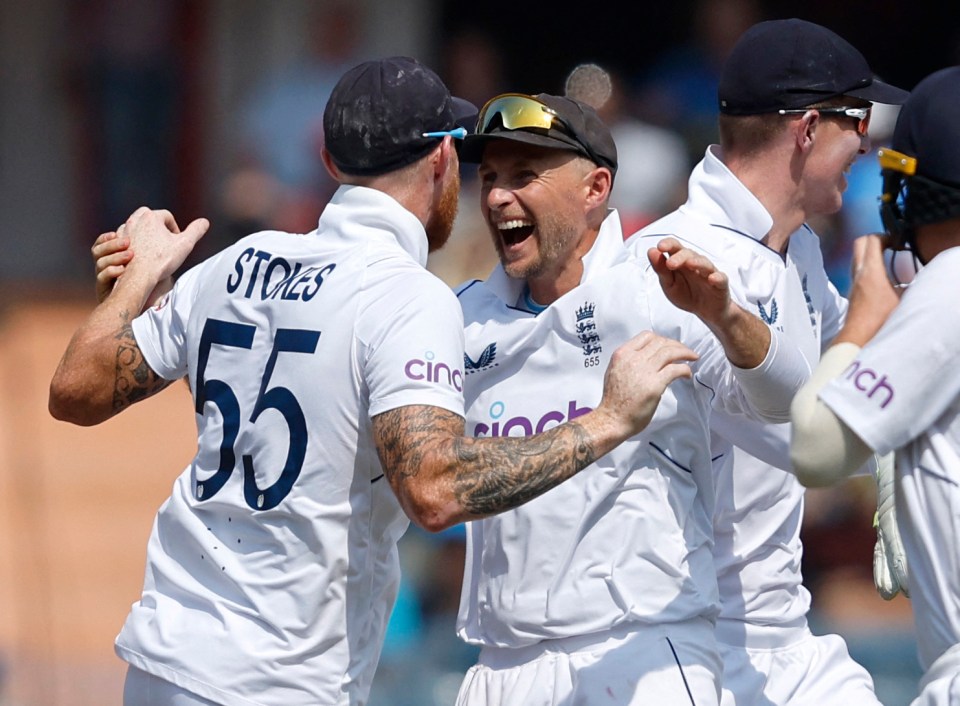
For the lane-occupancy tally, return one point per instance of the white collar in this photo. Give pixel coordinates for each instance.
(716, 194)
(359, 210)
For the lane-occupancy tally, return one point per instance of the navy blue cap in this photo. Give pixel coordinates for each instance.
(927, 127)
(787, 64)
(377, 113)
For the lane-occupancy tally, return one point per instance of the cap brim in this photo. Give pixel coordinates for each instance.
(880, 92)
(473, 145)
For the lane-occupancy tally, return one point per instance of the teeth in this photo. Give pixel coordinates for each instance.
(515, 223)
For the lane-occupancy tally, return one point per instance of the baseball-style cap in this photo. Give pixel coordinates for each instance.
(378, 112)
(927, 127)
(783, 64)
(557, 122)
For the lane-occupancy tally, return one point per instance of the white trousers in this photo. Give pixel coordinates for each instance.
(793, 669)
(634, 665)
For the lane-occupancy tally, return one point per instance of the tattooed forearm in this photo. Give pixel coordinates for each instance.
(494, 475)
(420, 444)
(134, 378)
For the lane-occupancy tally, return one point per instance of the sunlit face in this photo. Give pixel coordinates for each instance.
(836, 147)
(440, 225)
(532, 199)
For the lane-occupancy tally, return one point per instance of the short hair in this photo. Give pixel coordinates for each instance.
(746, 134)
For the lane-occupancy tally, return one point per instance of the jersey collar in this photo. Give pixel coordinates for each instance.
(361, 212)
(714, 192)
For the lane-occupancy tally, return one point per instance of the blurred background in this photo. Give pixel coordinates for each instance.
(213, 108)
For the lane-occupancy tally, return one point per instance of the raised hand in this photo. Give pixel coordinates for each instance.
(690, 280)
(155, 245)
(110, 253)
(638, 374)
(872, 295)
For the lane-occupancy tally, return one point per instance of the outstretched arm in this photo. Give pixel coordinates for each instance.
(103, 371)
(443, 478)
(692, 283)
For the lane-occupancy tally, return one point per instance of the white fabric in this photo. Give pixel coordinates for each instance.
(627, 540)
(630, 666)
(940, 686)
(759, 504)
(811, 670)
(287, 606)
(902, 393)
(143, 689)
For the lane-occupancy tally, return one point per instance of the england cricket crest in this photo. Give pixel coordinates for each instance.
(586, 329)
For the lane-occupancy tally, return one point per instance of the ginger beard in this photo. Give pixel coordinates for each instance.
(440, 225)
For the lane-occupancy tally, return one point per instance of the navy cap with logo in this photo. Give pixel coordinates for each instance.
(379, 110)
(788, 64)
(556, 122)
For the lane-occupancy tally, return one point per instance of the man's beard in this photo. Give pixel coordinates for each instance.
(554, 237)
(440, 225)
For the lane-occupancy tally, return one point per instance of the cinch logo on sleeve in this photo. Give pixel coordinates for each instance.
(524, 426)
(870, 382)
(427, 369)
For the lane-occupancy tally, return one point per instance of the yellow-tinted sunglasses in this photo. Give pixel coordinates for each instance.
(519, 111)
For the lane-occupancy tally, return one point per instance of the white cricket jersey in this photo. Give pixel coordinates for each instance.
(272, 568)
(628, 538)
(902, 392)
(759, 504)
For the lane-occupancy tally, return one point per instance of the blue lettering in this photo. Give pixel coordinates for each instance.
(274, 264)
(261, 257)
(238, 268)
(308, 294)
(280, 279)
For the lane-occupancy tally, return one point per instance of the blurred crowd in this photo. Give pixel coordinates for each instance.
(128, 86)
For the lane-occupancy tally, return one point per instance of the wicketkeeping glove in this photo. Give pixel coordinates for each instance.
(890, 573)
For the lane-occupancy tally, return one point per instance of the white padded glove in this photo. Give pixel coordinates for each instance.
(890, 574)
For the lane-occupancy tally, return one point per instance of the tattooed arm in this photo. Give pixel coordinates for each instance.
(443, 478)
(103, 370)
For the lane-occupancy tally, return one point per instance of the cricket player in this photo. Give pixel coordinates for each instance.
(888, 383)
(327, 374)
(601, 591)
(794, 102)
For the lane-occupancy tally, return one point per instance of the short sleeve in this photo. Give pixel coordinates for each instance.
(904, 379)
(161, 330)
(411, 339)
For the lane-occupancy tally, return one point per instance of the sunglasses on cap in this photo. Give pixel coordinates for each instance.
(518, 111)
(861, 115)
